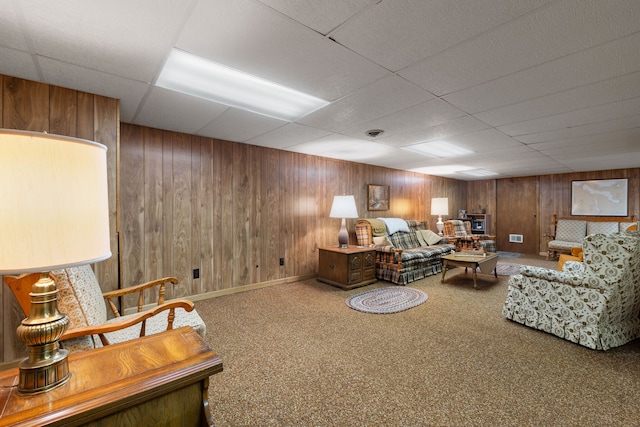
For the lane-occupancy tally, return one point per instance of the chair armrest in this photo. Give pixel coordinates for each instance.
(563, 277)
(140, 290)
(129, 321)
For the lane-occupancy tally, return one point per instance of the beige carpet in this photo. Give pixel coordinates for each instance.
(296, 355)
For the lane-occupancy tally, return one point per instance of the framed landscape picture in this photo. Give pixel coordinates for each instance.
(378, 196)
(600, 197)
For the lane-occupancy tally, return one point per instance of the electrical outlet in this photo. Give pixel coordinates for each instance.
(281, 261)
(196, 273)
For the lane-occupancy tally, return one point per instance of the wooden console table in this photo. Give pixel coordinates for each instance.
(157, 380)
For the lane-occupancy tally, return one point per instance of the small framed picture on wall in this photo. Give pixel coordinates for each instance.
(378, 197)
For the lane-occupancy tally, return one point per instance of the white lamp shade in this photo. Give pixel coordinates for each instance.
(54, 209)
(440, 206)
(344, 207)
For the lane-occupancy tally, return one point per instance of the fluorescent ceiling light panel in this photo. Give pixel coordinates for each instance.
(479, 172)
(196, 76)
(439, 149)
(442, 170)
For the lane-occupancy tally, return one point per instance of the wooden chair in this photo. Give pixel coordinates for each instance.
(82, 300)
(455, 229)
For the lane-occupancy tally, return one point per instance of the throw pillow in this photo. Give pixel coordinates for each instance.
(381, 241)
(430, 237)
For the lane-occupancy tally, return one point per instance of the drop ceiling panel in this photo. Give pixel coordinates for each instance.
(130, 92)
(616, 89)
(288, 135)
(603, 62)
(628, 138)
(598, 129)
(383, 97)
(254, 38)
(604, 162)
(411, 124)
(345, 148)
(240, 126)
(167, 109)
(485, 140)
(321, 16)
(397, 33)
(134, 45)
(601, 113)
(405, 136)
(17, 63)
(521, 43)
(11, 33)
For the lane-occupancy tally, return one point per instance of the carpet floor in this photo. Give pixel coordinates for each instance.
(296, 355)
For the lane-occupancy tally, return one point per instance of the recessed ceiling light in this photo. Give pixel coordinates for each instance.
(192, 75)
(439, 149)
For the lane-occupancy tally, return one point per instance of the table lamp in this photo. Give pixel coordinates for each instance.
(343, 207)
(440, 206)
(53, 214)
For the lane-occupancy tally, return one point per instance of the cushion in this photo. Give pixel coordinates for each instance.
(569, 230)
(628, 226)
(604, 227)
(381, 241)
(395, 224)
(404, 240)
(430, 237)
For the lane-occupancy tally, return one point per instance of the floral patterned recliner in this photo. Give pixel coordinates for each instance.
(595, 303)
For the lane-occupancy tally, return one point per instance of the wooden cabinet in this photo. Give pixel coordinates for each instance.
(480, 223)
(159, 380)
(347, 268)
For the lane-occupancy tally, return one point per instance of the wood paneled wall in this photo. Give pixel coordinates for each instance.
(180, 202)
(32, 106)
(553, 196)
(233, 210)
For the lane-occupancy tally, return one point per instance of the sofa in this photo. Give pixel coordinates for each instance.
(594, 303)
(570, 232)
(406, 250)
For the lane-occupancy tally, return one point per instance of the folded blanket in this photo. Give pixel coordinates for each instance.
(378, 228)
(395, 224)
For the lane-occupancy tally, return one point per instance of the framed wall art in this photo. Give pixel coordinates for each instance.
(599, 197)
(378, 197)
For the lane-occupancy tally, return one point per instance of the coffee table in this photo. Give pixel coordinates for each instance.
(487, 264)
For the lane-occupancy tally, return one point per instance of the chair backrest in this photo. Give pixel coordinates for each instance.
(611, 259)
(456, 227)
(80, 298)
(570, 230)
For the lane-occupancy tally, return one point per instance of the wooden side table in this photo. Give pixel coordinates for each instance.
(160, 379)
(347, 268)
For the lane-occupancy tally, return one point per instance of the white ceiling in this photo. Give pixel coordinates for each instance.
(532, 87)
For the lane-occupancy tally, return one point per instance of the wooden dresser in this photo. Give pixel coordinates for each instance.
(157, 380)
(347, 268)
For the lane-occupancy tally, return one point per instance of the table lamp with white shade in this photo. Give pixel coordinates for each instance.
(440, 206)
(343, 207)
(53, 214)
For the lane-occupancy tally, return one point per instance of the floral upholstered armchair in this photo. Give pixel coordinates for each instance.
(595, 303)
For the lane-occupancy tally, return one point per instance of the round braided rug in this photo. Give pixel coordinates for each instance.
(387, 300)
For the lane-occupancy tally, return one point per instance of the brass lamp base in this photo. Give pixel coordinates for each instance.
(47, 366)
(43, 376)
